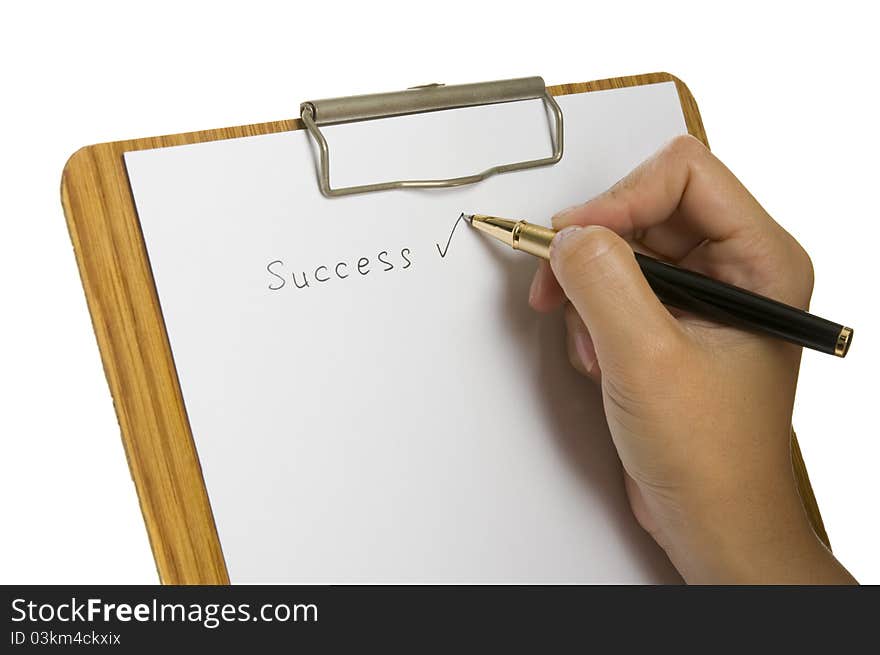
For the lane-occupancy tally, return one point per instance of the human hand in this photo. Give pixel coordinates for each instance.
(700, 413)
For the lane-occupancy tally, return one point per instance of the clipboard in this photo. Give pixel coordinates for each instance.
(130, 329)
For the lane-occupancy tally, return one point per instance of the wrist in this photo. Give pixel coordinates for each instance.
(757, 538)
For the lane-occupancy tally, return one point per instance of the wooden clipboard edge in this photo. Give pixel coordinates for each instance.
(688, 105)
(136, 354)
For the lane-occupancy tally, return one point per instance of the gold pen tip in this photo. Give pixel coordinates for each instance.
(468, 217)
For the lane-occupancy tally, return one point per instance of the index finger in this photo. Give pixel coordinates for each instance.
(685, 206)
(675, 200)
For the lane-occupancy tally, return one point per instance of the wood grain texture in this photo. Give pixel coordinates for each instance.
(808, 498)
(136, 354)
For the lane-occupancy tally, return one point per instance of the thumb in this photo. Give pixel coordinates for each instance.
(600, 276)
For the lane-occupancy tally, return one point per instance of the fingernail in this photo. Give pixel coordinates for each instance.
(536, 285)
(585, 350)
(565, 233)
(561, 236)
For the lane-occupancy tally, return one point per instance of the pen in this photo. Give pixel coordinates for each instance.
(694, 292)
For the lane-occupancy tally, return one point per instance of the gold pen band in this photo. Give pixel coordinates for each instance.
(843, 341)
(533, 239)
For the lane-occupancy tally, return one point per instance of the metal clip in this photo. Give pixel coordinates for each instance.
(432, 97)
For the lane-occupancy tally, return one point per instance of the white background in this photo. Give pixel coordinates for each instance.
(786, 91)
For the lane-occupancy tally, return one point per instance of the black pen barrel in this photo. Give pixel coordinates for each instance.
(731, 305)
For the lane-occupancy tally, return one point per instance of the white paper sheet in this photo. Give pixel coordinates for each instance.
(415, 424)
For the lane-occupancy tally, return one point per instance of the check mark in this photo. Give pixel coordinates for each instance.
(445, 250)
